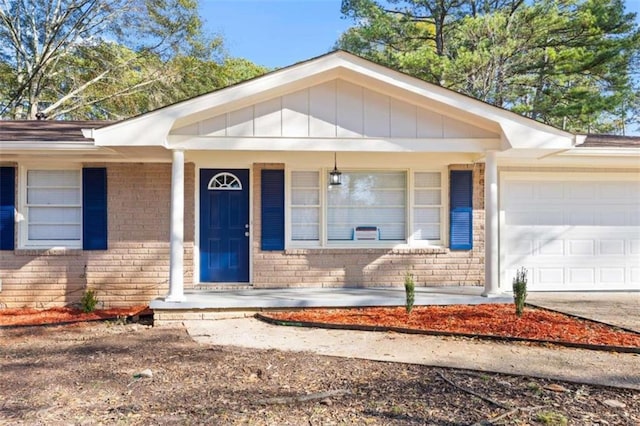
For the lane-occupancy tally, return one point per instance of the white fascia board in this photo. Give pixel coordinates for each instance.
(331, 144)
(6, 146)
(559, 159)
(602, 152)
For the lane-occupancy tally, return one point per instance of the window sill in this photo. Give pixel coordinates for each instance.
(55, 251)
(367, 250)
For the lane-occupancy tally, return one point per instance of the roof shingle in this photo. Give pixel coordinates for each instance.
(46, 131)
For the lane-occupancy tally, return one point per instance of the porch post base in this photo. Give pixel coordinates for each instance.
(175, 298)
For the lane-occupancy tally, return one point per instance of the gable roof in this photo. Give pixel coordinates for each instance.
(154, 128)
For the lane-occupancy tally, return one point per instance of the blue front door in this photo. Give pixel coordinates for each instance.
(224, 225)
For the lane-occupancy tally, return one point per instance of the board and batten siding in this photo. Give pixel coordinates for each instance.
(335, 109)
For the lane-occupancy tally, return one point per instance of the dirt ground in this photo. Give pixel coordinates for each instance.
(94, 373)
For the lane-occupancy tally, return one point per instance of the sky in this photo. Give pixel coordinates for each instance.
(275, 33)
(278, 33)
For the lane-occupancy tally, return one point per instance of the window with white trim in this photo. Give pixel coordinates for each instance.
(427, 205)
(305, 206)
(53, 207)
(368, 200)
(369, 207)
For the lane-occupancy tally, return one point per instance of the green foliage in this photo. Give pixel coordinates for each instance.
(520, 290)
(534, 387)
(552, 418)
(89, 301)
(569, 64)
(409, 288)
(106, 59)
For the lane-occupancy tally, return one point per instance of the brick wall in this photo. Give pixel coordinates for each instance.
(369, 267)
(135, 268)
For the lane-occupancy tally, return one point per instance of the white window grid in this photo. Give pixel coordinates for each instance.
(413, 204)
(47, 219)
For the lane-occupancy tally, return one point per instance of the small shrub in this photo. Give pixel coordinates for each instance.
(552, 418)
(520, 290)
(410, 290)
(89, 301)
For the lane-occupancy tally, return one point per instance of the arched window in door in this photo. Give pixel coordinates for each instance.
(225, 181)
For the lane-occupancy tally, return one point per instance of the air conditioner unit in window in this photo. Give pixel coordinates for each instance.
(366, 233)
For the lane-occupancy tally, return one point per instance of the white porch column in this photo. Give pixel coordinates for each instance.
(491, 224)
(176, 259)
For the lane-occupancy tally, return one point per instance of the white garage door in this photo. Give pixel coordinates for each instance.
(573, 231)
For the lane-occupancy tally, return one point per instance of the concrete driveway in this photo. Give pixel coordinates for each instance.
(621, 309)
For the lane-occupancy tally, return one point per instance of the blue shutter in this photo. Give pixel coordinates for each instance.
(7, 207)
(272, 210)
(94, 209)
(461, 210)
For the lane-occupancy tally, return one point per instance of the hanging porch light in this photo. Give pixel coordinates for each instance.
(335, 176)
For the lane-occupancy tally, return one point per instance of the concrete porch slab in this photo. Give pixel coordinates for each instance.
(284, 298)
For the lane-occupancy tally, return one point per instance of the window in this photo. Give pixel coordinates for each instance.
(427, 205)
(305, 206)
(53, 202)
(368, 199)
(225, 181)
(369, 207)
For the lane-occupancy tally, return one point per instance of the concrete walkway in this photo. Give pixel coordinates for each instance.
(576, 365)
(621, 309)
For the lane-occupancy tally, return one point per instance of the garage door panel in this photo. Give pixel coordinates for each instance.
(571, 235)
(551, 247)
(549, 191)
(519, 191)
(581, 248)
(611, 276)
(549, 276)
(613, 218)
(522, 247)
(579, 193)
(611, 247)
(613, 191)
(581, 276)
(580, 218)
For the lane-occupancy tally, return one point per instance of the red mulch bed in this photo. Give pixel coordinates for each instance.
(489, 320)
(27, 316)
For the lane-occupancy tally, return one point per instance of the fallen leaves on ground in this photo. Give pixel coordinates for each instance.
(89, 374)
(28, 316)
(487, 319)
